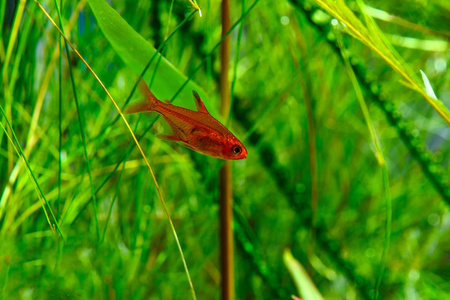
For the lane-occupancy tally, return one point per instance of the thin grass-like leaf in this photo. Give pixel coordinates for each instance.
(80, 122)
(41, 194)
(207, 57)
(236, 60)
(379, 156)
(60, 114)
(135, 140)
(373, 38)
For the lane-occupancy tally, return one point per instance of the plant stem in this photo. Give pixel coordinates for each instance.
(226, 193)
(59, 120)
(80, 122)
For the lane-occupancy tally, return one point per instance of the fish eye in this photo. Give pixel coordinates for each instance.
(236, 150)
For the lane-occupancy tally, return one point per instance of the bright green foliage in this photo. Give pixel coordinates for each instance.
(136, 52)
(301, 278)
(291, 81)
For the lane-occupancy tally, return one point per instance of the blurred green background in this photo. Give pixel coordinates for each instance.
(311, 182)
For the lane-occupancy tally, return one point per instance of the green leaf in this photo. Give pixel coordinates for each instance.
(136, 52)
(303, 282)
(428, 87)
(374, 38)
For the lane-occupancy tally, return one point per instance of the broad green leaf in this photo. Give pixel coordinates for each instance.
(303, 282)
(136, 52)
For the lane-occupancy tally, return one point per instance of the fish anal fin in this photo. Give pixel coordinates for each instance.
(169, 137)
(199, 103)
(137, 108)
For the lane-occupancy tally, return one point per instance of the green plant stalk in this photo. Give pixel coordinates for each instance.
(22, 43)
(243, 16)
(59, 255)
(22, 155)
(158, 51)
(312, 149)
(225, 173)
(5, 282)
(170, 17)
(137, 144)
(176, 94)
(59, 120)
(378, 154)
(415, 146)
(8, 96)
(360, 97)
(4, 228)
(374, 39)
(208, 39)
(278, 173)
(387, 237)
(80, 122)
(110, 175)
(9, 51)
(236, 60)
(12, 39)
(269, 107)
(102, 132)
(113, 201)
(120, 34)
(247, 240)
(117, 186)
(129, 98)
(2, 16)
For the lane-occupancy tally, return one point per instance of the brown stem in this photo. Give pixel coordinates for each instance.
(226, 233)
(226, 193)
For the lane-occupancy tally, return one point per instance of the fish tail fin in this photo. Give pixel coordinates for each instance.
(148, 104)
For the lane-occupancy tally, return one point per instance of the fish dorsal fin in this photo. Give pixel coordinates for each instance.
(199, 103)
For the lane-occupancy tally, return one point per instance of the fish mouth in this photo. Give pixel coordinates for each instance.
(244, 154)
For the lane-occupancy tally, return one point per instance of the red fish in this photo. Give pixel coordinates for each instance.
(196, 130)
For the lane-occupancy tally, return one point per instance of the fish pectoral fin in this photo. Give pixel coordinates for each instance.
(169, 137)
(199, 103)
(180, 129)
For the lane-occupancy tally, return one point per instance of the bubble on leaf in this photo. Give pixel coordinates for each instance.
(285, 20)
(440, 64)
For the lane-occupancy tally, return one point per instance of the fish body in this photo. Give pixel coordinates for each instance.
(196, 130)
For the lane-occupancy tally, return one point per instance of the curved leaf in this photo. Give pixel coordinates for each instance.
(136, 52)
(302, 280)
